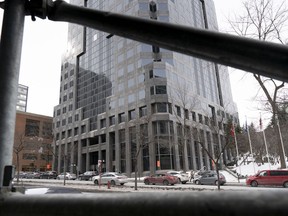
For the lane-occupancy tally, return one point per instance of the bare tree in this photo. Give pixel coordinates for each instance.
(217, 126)
(265, 21)
(141, 140)
(19, 145)
(183, 105)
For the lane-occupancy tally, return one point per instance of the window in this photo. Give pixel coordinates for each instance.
(131, 98)
(157, 73)
(131, 83)
(102, 123)
(206, 120)
(141, 78)
(83, 128)
(193, 116)
(63, 135)
(158, 90)
(69, 133)
(47, 130)
(76, 131)
(32, 127)
(121, 102)
(162, 107)
(169, 108)
(141, 94)
(131, 114)
(143, 111)
(121, 117)
(71, 72)
(161, 89)
(112, 120)
(200, 118)
(64, 109)
(70, 107)
(76, 118)
(163, 127)
(152, 90)
(178, 110)
(186, 113)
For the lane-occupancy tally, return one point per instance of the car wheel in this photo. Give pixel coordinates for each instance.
(285, 184)
(184, 182)
(165, 182)
(216, 182)
(121, 183)
(113, 183)
(197, 182)
(96, 182)
(146, 182)
(254, 183)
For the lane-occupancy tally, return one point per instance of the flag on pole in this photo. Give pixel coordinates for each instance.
(260, 123)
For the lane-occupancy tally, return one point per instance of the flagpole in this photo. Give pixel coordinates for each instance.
(250, 144)
(281, 140)
(264, 136)
(236, 144)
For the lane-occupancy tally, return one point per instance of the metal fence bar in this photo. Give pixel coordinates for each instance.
(268, 59)
(10, 55)
(149, 203)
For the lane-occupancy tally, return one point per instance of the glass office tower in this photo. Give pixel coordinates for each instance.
(132, 105)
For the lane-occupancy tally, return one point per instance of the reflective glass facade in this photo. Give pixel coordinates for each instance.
(131, 104)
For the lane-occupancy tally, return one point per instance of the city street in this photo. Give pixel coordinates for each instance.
(89, 186)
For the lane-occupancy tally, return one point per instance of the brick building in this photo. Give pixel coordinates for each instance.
(32, 142)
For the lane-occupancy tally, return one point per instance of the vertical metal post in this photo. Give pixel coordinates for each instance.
(10, 55)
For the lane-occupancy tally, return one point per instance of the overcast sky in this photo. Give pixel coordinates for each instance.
(45, 41)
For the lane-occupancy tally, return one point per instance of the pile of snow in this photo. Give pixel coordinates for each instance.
(248, 169)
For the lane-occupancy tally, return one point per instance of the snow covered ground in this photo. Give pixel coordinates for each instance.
(248, 169)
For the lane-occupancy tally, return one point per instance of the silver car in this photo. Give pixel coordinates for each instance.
(113, 177)
(210, 178)
(68, 176)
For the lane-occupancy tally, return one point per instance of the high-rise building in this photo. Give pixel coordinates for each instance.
(22, 98)
(129, 104)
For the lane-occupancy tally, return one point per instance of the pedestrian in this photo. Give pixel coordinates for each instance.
(191, 175)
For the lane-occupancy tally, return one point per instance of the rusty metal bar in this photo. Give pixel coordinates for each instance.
(267, 59)
(10, 55)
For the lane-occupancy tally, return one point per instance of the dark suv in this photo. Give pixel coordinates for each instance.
(87, 176)
(49, 175)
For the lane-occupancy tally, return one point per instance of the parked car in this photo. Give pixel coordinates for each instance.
(113, 177)
(21, 174)
(269, 177)
(88, 175)
(182, 176)
(68, 176)
(210, 178)
(49, 175)
(161, 178)
(32, 175)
